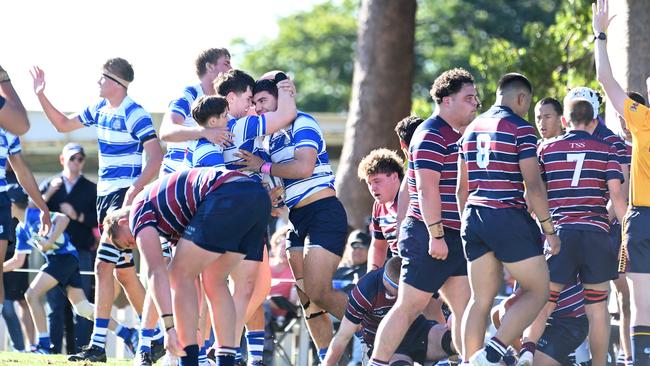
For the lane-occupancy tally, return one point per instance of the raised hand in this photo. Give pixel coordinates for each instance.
(600, 16)
(38, 76)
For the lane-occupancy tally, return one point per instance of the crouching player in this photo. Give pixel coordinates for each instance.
(371, 299)
(216, 217)
(60, 269)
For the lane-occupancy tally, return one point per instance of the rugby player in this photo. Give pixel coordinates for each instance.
(216, 217)
(498, 155)
(298, 155)
(179, 128)
(125, 133)
(581, 171)
(429, 240)
(61, 269)
(382, 170)
(368, 303)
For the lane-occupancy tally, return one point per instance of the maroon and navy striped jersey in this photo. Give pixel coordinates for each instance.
(492, 146)
(571, 303)
(169, 203)
(384, 223)
(434, 146)
(368, 304)
(604, 133)
(576, 167)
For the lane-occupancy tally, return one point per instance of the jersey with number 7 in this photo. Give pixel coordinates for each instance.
(576, 167)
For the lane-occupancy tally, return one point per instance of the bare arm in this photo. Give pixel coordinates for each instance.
(14, 262)
(61, 122)
(462, 184)
(151, 166)
(13, 116)
(377, 253)
(617, 197)
(403, 201)
(538, 199)
(301, 167)
(339, 342)
(286, 111)
(148, 243)
(615, 92)
(27, 181)
(173, 130)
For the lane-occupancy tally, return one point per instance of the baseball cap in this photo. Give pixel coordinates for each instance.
(584, 93)
(71, 149)
(359, 239)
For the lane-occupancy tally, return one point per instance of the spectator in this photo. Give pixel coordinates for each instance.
(72, 194)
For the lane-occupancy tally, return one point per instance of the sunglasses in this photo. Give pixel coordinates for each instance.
(77, 158)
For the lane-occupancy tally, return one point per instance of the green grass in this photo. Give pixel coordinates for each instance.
(29, 359)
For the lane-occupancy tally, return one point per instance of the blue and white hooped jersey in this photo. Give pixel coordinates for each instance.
(121, 134)
(9, 145)
(175, 155)
(248, 132)
(202, 153)
(304, 132)
(27, 234)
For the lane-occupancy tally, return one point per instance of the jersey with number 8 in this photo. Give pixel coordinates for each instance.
(492, 146)
(576, 167)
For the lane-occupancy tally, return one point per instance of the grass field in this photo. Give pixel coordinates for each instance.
(29, 359)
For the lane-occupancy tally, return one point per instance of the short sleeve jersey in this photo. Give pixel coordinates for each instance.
(492, 146)
(202, 153)
(604, 133)
(637, 117)
(27, 235)
(576, 167)
(121, 134)
(368, 304)
(9, 145)
(174, 157)
(248, 132)
(304, 132)
(169, 203)
(434, 146)
(384, 223)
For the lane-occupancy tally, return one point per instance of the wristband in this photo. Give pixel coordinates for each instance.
(545, 220)
(266, 168)
(168, 321)
(549, 230)
(436, 230)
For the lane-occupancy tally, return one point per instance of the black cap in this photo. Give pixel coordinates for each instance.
(359, 239)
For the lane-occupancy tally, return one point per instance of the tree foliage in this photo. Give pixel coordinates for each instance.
(317, 48)
(548, 41)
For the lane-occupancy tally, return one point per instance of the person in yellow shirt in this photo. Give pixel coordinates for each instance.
(636, 225)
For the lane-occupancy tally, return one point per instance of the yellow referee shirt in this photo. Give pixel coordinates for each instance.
(637, 117)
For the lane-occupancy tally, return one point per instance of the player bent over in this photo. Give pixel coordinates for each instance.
(368, 303)
(216, 217)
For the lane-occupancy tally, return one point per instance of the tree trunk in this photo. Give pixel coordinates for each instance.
(381, 94)
(629, 48)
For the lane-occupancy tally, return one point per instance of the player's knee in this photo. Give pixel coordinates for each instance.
(32, 296)
(84, 309)
(595, 296)
(102, 267)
